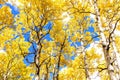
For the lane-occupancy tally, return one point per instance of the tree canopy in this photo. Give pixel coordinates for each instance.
(59, 40)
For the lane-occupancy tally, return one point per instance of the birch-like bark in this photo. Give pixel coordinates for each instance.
(115, 54)
(104, 42)
(59, 58)
(37, 62)
(117, 59)
(86, 66)
(82, 50)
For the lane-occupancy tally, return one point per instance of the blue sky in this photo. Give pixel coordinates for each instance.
(14, 10)
(48, 26)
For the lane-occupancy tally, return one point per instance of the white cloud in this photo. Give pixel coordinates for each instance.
(14, 2)
(63, 69)
(92, 16)
(2, 52)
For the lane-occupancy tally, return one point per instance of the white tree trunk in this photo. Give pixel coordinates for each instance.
(104, 42)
